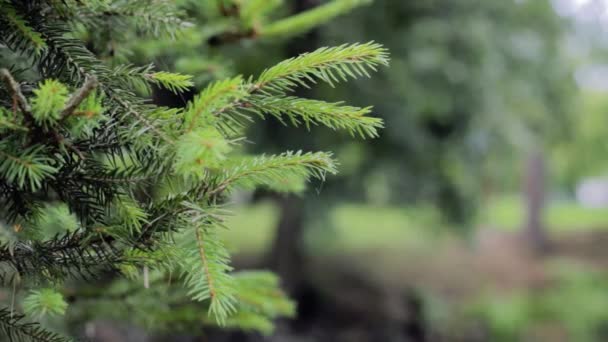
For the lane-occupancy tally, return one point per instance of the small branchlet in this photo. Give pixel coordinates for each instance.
(15, 91)
(89, 85)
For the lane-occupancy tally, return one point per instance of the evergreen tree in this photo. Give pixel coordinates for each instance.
(96, 182)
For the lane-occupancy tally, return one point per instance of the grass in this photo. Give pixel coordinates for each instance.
(358, 226)
(349, 227)
(403, 246)
(507, 212)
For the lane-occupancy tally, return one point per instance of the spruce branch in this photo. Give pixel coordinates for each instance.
(22, 33)
(15, 91)
(206, 274)
(76, 99)
(266, 95)
(44, 302)
(153, 17)
(70, 255)
(332, 115)
(175, 82)
(27, 168)
(281, 172)
(205, 264)
(304, 21)
(261, 300)
(211, 101)
(150, 125)
(328, 64)
(67, 58)
(14, 327)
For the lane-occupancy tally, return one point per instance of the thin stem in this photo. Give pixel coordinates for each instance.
(201, 251)
(89, 85)
(15, 90)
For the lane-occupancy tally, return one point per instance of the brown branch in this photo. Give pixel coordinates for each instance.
(232, 10)
(60, 140)
(24, 106)
(229, 37)
(89, 85)
(15, 90)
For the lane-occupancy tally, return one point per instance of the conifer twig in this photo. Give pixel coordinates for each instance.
(201, 251)
(89, 85)
(15, 90)
(60, 139)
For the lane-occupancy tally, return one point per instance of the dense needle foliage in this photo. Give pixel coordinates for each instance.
(97, 182)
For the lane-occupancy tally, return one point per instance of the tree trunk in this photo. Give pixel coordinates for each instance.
(535, 201)
(286, 255)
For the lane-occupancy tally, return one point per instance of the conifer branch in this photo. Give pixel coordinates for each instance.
(212, 100)
(306, 20)
(22, 34)
(15, 91)
(332, 115)
(328, 64)
(11, 125)
(204, 262)
(68, 55)
(89, 85)
(130, 110)
(73, 254)
(175, 82)
(155, 17)
(331, 65)
(206, 274)
(26, 168)
(15, 329)
(274, 170)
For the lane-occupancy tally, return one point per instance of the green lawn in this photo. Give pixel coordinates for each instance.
(357, 226)
(349, 226)
(506, 212)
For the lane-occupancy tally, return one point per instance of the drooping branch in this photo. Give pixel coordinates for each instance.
(73, 254)
(15, 328)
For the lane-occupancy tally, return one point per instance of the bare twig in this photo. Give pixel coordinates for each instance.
(89, 84)
(15, 90)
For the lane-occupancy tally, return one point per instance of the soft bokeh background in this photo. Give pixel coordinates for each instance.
(481, 213)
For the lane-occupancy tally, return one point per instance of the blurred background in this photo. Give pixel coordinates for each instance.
(479, 214)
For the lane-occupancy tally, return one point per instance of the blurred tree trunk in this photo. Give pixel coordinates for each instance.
(286, 256)
(534, 193)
